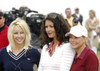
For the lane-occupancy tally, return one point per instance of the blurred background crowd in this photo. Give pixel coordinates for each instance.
(34, 20)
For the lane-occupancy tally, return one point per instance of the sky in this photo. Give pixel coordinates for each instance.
(59, 6)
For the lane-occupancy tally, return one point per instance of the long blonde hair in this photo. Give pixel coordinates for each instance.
(25, 28)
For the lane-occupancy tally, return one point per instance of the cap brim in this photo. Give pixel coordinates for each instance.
(67, 34)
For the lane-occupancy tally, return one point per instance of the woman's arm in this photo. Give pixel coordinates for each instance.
(67, 57)
(40, 63)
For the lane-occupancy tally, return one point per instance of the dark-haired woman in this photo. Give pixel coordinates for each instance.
(57, 55)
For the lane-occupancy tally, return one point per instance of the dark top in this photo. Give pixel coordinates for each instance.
(87, 61)
(22, 62)
(2, 28)
(80, 18)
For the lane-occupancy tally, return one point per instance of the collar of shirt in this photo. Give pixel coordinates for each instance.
(50, 47)
(9, 48)
(93, 20)
(70, 21)
(2, 28)
(71, 18)
(78, 15)
(83, 53)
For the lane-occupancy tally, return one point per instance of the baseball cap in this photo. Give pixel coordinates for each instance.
(78, 31)
(1, 14)
(76, 19)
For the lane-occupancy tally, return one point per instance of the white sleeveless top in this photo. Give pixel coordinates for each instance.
(61, 60)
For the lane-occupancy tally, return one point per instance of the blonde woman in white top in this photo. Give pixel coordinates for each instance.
(57, 55)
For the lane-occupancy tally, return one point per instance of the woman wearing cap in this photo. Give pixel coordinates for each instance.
(57, 55)
(85, 59)
(18, 55)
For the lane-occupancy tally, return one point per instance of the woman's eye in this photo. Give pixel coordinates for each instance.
(21, 32)
(70, 37)
(76, 37)
(51, 26)
(73, 37)
(15, 33)
(45, 26)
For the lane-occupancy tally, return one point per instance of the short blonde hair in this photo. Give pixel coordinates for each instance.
(25, 28)
(93, 12)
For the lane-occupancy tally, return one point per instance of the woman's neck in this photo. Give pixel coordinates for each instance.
(1, 25)
(68, 17)
(18, 46)
(55, 41)
(17, 49)
(80, 49)
(92, 18)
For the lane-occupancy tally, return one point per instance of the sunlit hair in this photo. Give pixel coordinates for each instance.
(60, 25)
(16, 24)
(93, 12)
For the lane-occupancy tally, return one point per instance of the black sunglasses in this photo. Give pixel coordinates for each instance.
(52, 15)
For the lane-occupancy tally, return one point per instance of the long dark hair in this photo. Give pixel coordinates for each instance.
(61, 28)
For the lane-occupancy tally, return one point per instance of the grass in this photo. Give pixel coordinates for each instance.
(98, 54)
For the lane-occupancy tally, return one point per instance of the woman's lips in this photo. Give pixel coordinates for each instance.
(49, 33)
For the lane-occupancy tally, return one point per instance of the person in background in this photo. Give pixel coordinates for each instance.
(78, 15)
(57, 55)
(3, 32)
(75, 21)
(18, 55)
(91, 25)
(69, 17)
(85, 59)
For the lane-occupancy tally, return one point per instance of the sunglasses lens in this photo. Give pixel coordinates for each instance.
(53, 16)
